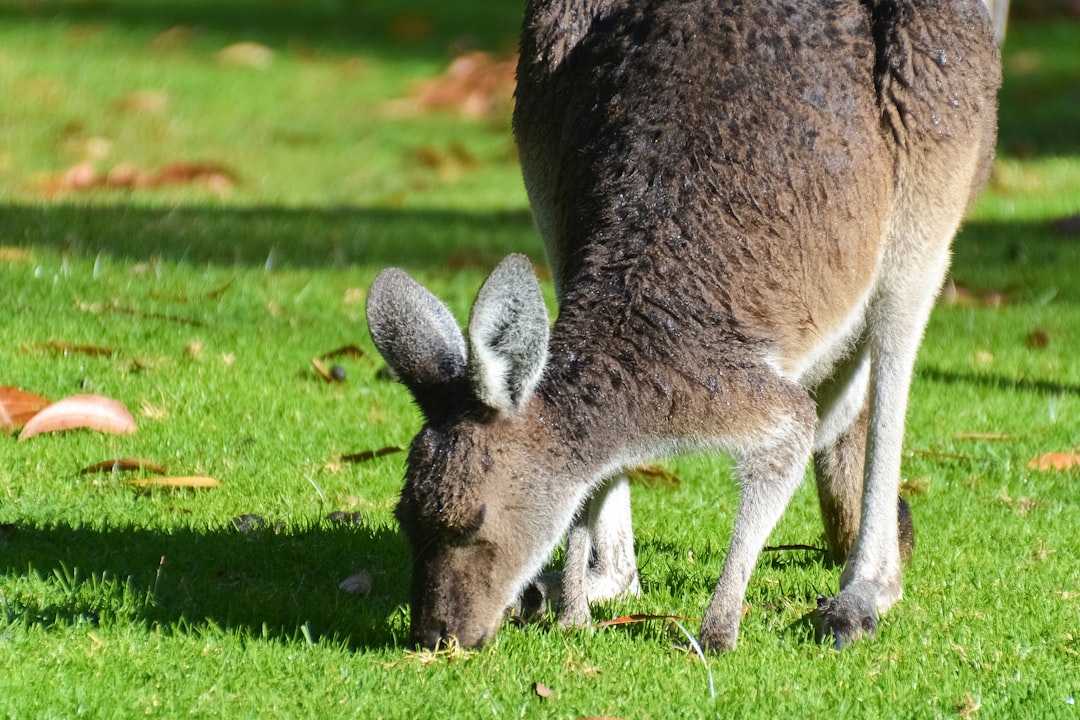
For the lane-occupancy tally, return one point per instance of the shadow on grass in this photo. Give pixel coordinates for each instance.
(1025, 261)
(274, 237)
(1040, 90)
(1000, 383)
(337, 237)
(265, 583)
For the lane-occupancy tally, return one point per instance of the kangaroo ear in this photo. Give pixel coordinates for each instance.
(508, 336)
(416, 335)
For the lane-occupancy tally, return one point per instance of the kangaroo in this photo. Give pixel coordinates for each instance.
(747, 207)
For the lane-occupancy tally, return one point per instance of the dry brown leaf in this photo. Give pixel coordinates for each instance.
(639, 618)
(1037, 339)
(11, 255)
(370, 454)
(81, 411)
(17, 407)
(193, 481)
(142, 102)
(175, 38)
(349, 351)
(982, 436)
(1054, 461)
(913, 486)
(66, 348)
(322, 370)
(474, 85)
(653, 476)
(962, 296)
(117, 465)
(246, 54)
(332, 374)
(125, 176)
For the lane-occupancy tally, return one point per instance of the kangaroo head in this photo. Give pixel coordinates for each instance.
(477, 501)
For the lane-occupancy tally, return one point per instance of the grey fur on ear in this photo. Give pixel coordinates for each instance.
(414, 331)
(508, 336)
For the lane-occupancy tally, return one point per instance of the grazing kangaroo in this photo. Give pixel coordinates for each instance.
(747, 206)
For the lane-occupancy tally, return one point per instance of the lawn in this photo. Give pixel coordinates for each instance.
(304, 165)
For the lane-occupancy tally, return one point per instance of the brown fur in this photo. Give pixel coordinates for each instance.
(747, 206)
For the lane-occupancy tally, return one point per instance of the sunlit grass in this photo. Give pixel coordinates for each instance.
(119, 602)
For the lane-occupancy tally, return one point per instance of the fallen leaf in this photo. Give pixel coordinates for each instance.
(449, 164)
(79, 177)
(66, 348)
(123, 465)
(193, 481)
(370, 454)
(1054, 461)
(81, 411)
(1037, 339)
(962, 296)
(182, 173)
(543, 690)
(17, 407)
(653, 476)
(349, 351)
(474, 85)
(982, 436)
(11, 255)
(246, 54)
(639, 618)
(142, 102)
(358, 583)
(332, 374)
(913, 486)
(125, 176)
(175, 38)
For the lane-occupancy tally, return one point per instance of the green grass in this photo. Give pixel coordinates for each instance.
(117, 602)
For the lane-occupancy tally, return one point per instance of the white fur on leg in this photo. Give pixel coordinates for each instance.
(600, 561)
(613, 567)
